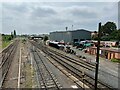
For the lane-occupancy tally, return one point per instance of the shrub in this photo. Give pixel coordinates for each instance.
(115, 60)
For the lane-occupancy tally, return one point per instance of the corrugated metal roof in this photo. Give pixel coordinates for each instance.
(117, 50)
(70, 31)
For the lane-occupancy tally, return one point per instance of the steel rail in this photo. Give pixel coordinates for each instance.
(7, 62)
(58, 60)
(42, 76)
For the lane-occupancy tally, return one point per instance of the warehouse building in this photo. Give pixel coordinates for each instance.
(70, 36)
(107, 53)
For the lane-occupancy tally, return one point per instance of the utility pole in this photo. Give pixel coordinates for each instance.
(97, 57)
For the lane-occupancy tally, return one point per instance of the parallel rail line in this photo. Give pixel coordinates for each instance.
(7, 56)
(78, 73)
(78, 62)
(86, 65)
(46, 80)
(4, 53)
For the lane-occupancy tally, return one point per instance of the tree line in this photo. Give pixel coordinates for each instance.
(109, 32)
(6, 37)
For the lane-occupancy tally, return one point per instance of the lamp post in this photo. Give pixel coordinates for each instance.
(97, 57)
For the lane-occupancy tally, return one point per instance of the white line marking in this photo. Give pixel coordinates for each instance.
(32, 68)
(74, 86)
(19, 69)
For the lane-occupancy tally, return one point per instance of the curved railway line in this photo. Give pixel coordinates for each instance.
(89, 80)
(5, 52)
(78, 62)
(7, 56)
(46, 79)
(64, 61)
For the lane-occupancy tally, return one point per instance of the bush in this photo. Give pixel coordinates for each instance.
(45, 38)
(115, 60)
(6, 38)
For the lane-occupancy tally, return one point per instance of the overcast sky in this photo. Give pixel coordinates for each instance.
(45, 17)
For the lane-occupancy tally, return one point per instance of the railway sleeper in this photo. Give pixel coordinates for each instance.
(50, 83)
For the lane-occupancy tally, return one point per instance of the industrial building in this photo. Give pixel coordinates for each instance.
(71, 36)
(107, 53)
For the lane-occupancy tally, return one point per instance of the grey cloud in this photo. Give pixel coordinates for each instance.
(47, 17)
(83, 13)
(15, 7)
(43, 12)
(14, 11)
(118, 15)
(60, 21)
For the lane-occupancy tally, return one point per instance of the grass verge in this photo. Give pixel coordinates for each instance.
(115, 60)
(5, 44)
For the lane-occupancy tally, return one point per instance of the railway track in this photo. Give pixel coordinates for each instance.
(78, 62)
(46, 79)
(87, 65)
(7, 56)
(89, 80)
(4, 54)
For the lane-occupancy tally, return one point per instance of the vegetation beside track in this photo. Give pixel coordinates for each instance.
(5, 44)
(115, 60)
(29, 74)
(7, 38)
(28, 71)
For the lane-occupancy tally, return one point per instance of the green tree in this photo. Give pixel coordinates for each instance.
(95, 35)
(108, 28)
(14, 33)
(118, 35)
(66, 28)
(109, 31)
(8, 37)
(113, 35)
(45, 38)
